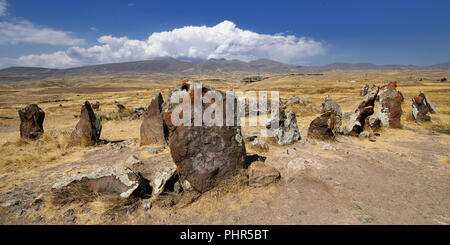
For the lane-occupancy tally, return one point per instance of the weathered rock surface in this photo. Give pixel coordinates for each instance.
(31, 121)
(328, 124)
(87, 131)
(431, 105)
(164, 180)
(153, 128)
(355, 121)
(259, 174)
(422, 108)
(287, 132)
(204, 155)
(120, 181)
(373, 123)
(390, 106)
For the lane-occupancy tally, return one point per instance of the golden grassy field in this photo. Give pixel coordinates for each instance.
(24, 160)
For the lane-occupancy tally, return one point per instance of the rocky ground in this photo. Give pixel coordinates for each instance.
(351, 181)
(400, 177)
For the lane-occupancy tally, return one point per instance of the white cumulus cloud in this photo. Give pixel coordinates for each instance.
(26, 32)
(14, 30)
(224, 40)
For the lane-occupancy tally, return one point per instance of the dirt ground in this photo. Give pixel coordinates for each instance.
(402, 178)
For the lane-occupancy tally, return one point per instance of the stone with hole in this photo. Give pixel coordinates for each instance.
(120, 181)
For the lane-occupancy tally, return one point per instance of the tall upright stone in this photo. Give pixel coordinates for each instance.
(389, 109)
(153, 128)
(355, 121)
(287, 132)
(205, 154)
(422, 108)
(31, 121)
(88, 129)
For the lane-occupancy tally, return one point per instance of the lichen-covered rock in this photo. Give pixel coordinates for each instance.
(88, 129)
(153, 128)
(162, 179)
(328, 124)
(390, 106)
(31, 121)
(120, 181)
(422, 107)
(204, 155)
(287, 132)
(259, 174)
(355, 122)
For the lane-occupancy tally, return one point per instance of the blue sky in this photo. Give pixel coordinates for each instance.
(50, 33)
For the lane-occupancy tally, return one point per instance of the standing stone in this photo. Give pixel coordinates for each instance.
(87, 132)
(356, 120)
(327, 125)
(204, 155)
(96, 106)
(153, 128)
(287, 132)
(31, 122)
(430, 105)
(364, 90)
(390, 106)
(422, 107)
(120, 107)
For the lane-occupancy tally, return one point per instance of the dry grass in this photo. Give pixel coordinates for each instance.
(47, 148)
(77, 193)
(104, 204)
(302, 110)
(54, 149)
(121, 206)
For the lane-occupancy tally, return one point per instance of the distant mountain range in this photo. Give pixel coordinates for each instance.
(175, 66)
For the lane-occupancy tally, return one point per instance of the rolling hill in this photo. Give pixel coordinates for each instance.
(175, 66)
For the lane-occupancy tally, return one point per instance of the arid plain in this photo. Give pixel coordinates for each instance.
(401, 178)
